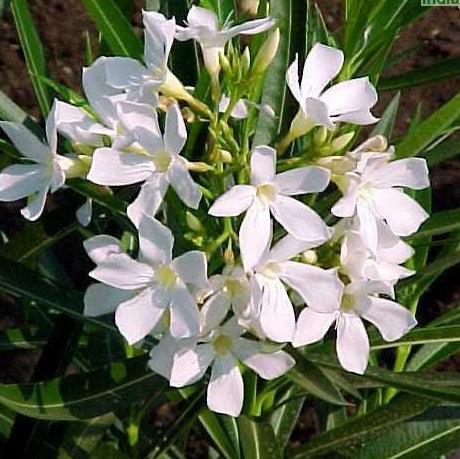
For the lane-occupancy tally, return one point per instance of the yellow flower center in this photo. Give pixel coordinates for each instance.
(161, 160)
(222, 344)
(232, 287)
(266, 192)
(348, 303)
(272, 269)
(165, 276)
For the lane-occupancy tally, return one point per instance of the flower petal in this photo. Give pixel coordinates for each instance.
(175, 131)
(180, 179)
(115, 168)
(277, 317)
(320, 288)
(102, 299)
(214, 311)
(322, 65)
(190, 364)
(352, 344)
(309, 179)
(254, 235)
(185, 316)
(367, 225)
(202, 17)
(361, 117)
(236, 200)
(122, 72)
(192, 268)
(346, 205)
(317, 111)
(292, 79)
(263, 165)
(121, 271)
(137, 316)
(391, 319)
(225, 389)
(159, 38)
(101, 246)
(21, 180)
(311, 326)
(85, 212)
(27, 143)
(403, 214)
(288, 247)
(299, 220)
(155, 241)
(35, 205)
(350, 96)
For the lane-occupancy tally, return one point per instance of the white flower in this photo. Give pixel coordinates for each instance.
(272, 271)
(222, 349)
(359, 301)
(348, 101)
(202, 26)
(157, 163)
(45, 173)
(272, 193)
(359, 263)
(373, 192)
(240, 110)
(142, 290)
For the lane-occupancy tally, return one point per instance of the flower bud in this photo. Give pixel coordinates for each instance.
(74, 166)
(341, 142)
(337, 164)
(229, 257)
(266, 52)
(249, 7)
(199, 166)
(225, 156)
(173, 87)
(224, 63)
(320, 135)
(246, 59)
(193, 223)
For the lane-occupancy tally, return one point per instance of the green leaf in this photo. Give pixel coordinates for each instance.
(446, 335)
(355, 430)
(429, 129)
(290, 15)
(311, 378)
(115, 28)
(258, 440)
(387, 120)
(431, 435)
(25, 338)
(33, 51)
(7, 417)
(85, 395)
(9, 111)
(443, 151)
(441, 70)
(439, 223)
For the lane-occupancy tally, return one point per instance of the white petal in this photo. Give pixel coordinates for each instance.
(240, 110)
(391, 319)
(267, 366)
(202, 17)
(251, 27)
(254, 235)
(263, 164)
(403, 214)
(292, 79)
(288, 247)
(299, 220)
(192, 268)
(350, 96)
(175, 131)
(27, 143)
(159, 38)
(361, 288)
(155, 241)
(320, 288)
(188, 191)
(311, 326)
(101, 246)
(21, 180)
(102, 299)
(309, 179)
(121, 271)
(317, 111)
(225, 389)
(214, 311)
(85, 212)
(149, 199)
(322, 65)
(352, 344)
(35, 205)
(115, 168)
(367, 225)
(346, 205)
(361, 117)
(409, 172)
(189, 365)
(236, 200)
(185, 316)
(122, 72)
(277, 317)
(136, 317)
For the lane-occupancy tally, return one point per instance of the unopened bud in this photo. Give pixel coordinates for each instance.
(246, 59)
(74, 166)
(173, 87)
(224, 63)
(229, 257)
(199, 166)
(376, 143)
(266, 52)
(188, 115)
(249, 7)
(337, 164)
(309, 256)
(320, 135)
(193, 223)
(225, 156)
(341, 142)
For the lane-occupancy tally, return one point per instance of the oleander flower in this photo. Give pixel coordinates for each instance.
(141, 291)
(46, 171)
(222, 348)
(272, 193)
(348, 101)
(373, 193)
(156, 162)
(358, 300)
(203, 27)
(272, 271)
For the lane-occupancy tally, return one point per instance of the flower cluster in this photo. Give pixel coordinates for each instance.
(279, 274)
